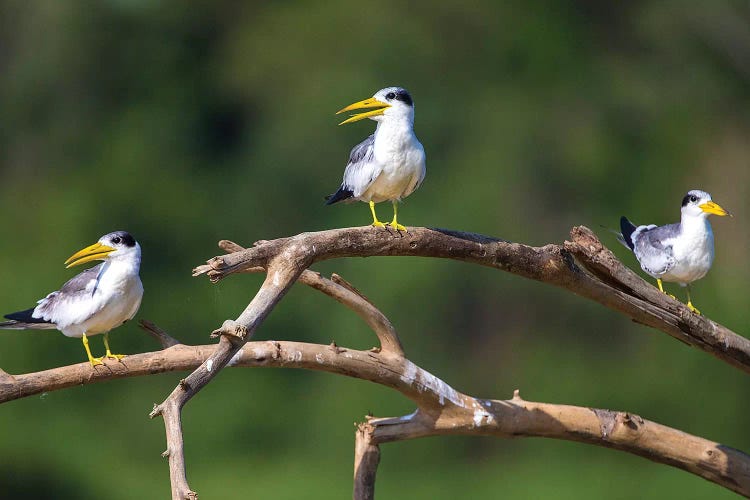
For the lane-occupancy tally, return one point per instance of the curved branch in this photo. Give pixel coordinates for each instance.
(442, 409)
(345, 293)
(583, 266)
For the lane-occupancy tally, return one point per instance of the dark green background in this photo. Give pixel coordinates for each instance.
(188, 122)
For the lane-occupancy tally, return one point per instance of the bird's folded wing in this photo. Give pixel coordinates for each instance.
(362, 170)
(73, 303)
(653, 248)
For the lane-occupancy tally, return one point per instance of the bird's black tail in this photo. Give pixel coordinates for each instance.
(340, 195)
(627, 229)
(22, 320)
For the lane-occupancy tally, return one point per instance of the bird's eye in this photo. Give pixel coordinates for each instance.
(116, 240)
(390, 95)
(693, 198)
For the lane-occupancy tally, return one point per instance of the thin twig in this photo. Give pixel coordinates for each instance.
(160, 335)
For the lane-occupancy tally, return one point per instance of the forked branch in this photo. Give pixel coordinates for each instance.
(583, 266)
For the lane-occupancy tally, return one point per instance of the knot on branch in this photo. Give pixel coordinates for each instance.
(156, 411)
(335, 348)
(232, 330)
(609, 420)
(632, 420)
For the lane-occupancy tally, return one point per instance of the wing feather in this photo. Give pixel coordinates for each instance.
(63, 307)
(362, 170)
(653, 248)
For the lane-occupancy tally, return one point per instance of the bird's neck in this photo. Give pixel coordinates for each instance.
(695, 225)
(115, 271)
(395, 131)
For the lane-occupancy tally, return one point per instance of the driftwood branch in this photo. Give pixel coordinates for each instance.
(441, 408)
(582, 265)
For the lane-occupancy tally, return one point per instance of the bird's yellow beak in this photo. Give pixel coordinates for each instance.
(97, 251)
(366, 104)
(713, 208)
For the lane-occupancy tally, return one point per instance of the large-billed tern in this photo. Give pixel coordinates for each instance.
(679, 253)
(95, 301)
(389, 164)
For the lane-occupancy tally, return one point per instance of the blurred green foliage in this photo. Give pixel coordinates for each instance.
(185, 123)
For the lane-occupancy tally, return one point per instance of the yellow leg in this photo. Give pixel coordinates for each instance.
(661, 289)
(109, 354)
(690, 303)
(394, 223)
(94, 361)
(375, 221)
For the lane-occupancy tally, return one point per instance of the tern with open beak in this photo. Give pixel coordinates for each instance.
(95, 301)
(390, 164)
(679, 253)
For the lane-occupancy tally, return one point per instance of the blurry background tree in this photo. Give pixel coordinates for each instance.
(162, 118)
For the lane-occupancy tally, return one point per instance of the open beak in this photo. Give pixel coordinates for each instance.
(712, 208)
(366, 104)
(97, 251)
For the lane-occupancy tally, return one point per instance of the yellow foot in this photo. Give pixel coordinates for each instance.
(693, 309)
(118, 357)
(95, 361)
(377, 223)
(397, 226)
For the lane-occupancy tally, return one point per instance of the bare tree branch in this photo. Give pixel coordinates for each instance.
(345, 293)
(583, 266)
(281, 275)
(442, 409)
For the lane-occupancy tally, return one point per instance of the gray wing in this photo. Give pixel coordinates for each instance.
(57, 307)
(653, 248)
(362, 169)
(46, 315)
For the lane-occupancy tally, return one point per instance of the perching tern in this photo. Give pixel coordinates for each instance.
(95, 301)
(681, 252)
(388, 165)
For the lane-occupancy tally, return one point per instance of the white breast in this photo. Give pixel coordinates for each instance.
(693, 252)
(402, 159)
(112, 301)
